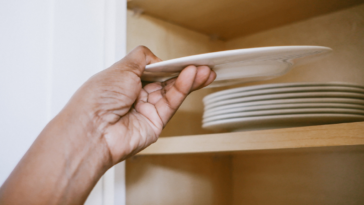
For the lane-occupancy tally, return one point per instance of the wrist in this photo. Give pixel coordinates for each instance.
(85, 133)
(82, 154)
(65, 162)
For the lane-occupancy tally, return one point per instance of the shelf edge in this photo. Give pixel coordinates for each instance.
(301, 137)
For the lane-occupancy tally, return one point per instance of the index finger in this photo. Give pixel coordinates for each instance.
(176, 90)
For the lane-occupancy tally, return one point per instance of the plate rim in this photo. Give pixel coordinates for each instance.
(283, 106)
(286, 96)
(272, 117)
(289, 100)
(281, 85)
(284, 111)
(268, 91)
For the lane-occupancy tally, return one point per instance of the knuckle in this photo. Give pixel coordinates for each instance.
(133, 65)
(141, 48)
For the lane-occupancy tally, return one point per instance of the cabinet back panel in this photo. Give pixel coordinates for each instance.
(178, 180)
(343, 31)
(332, 176)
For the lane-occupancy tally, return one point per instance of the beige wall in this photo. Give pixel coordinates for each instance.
(343, 31)
(307, 177)
(179, 180)
(167, 40)
(313, 176)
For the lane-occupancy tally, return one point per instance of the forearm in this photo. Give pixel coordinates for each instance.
(111, 117)
(62, 165)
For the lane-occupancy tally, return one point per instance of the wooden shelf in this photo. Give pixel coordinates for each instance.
(227, 19)
(302, 137)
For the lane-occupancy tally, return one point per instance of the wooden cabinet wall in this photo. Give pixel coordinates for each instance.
(323, 175)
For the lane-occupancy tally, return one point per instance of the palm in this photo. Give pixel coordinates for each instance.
(135, 115)
(154, 106)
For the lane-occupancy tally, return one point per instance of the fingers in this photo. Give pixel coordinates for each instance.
(154, 91)
(137, 59)
(157, 90)
(177, 92)
(203, 78)
(211, 79)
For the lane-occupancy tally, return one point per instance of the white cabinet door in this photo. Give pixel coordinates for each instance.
(24, 71)
(48, 49)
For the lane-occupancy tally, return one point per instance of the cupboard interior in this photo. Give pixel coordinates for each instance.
(298, 176)
(293, 176)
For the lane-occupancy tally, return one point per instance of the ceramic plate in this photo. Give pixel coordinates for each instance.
(208, 114)
(238, 66)
(287, 101)
(283, 112)
(285, 90)
(280, 121)
(286, 96)
(218, 95)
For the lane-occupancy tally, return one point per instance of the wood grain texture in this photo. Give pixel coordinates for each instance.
(333, 176)
(233, 18)
(258, 167)
(178, 180)
(326, 175)
(301, 137)
(165, 39)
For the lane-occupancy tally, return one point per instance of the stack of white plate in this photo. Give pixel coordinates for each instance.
(283, 105)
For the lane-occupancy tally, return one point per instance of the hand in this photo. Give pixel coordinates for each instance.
(110, 118)
(128, 116)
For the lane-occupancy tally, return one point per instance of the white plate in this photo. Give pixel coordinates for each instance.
(287, 101)
(285, 90)
(237, 66)
(286, 96)
(208, 114)
(218, 95)
(283, 112)
(280, 121)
